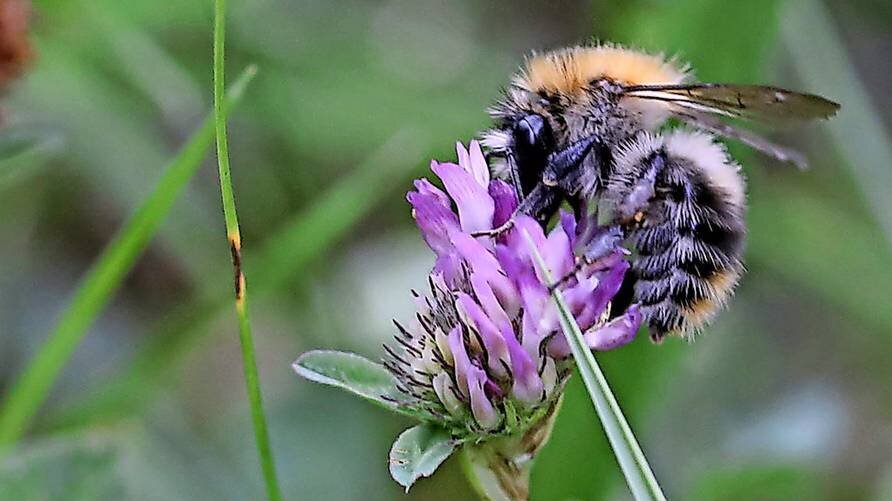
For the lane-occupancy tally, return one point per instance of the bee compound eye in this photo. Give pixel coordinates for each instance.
(531, 130)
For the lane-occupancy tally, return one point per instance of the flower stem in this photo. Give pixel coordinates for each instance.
(252, 380)
(103, 279)
(499, 470)
(634, 465)
(494, 478)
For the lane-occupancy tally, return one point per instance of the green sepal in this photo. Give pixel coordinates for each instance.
(418, 452)
(351, 372)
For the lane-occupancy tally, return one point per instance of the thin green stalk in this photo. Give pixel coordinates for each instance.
(632, 462)
(499, 469)
(252, 380)
(279, 258)
(103, 279)
(471, 474)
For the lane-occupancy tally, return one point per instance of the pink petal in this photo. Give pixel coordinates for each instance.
(435, 220)
(475, 206)
(483, 262)
(471, 380)
(558, 254)
(527, 385)
(505, 200)
(618, 332)
(497, 308)
(497, 352)
(477, 164)
(427, 188)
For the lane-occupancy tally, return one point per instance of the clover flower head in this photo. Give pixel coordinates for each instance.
(485, 355)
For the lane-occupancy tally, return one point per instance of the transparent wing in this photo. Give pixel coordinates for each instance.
(702, 104)
(714, 125)
(758, 103)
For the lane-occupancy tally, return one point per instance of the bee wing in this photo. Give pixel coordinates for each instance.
(714, 125)
(758, 103)
(702, 104)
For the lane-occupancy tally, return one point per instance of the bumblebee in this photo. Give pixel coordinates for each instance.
(587, 126)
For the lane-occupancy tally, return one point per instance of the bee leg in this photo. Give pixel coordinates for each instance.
(603, 244)
(564, 279)
(540, 204)
(514, 172)
(562, 169)
(580, 208)
(631, 209)
(507, 225)
(597, 244)
(558, 178)
(597, 252)
(629, 213)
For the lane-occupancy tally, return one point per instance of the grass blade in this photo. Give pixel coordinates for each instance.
(103, 279)
(279, 259)
(635, 468)
(252, 379)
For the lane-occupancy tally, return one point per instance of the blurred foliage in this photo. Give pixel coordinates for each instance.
(766, 482)
(786, 396)
(24, 150)
(63, 469)
(104, 277)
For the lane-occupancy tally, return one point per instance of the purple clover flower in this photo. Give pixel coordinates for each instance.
(485, 354)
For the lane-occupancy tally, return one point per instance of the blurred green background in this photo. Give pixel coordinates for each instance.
(786, 396)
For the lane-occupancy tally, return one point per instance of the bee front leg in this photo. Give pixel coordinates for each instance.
(558, 178)
(563, 167)
(540, 203)
(514, 172)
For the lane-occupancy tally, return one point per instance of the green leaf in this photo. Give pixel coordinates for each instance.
(638, 473)
(418, 452)
(351, 372)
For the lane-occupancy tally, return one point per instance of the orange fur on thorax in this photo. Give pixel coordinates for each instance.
(570, 70)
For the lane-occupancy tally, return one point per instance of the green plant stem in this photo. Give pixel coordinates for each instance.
(279, 258)
(252, 380)
(632, 462)
(103, 279)
(499, 470)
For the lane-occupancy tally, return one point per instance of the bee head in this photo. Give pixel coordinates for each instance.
(574, 93)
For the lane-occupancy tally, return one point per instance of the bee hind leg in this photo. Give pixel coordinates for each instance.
(597, 253)
(598, 244)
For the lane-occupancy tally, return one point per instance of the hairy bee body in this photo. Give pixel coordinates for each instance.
(689, 242)
(586, 124)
